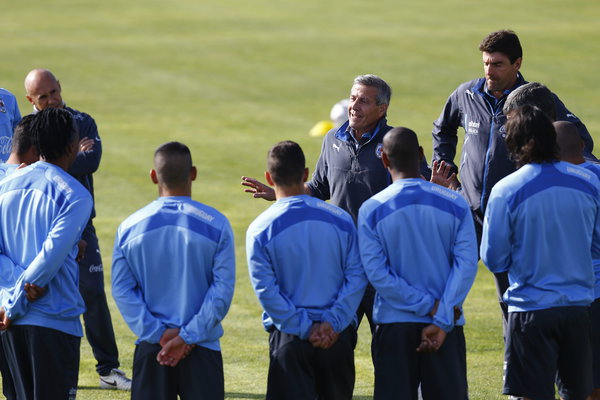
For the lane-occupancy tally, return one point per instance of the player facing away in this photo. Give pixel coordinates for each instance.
(572, 150)
(43, 211)
(305, 269)
(542, 226)
(418, 248)
(22, 152)
(173, 276)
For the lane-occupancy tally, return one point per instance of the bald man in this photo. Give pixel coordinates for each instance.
(420, 284)
(571, 150)
(44, 91)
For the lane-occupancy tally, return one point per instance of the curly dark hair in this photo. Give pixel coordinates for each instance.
(53, 130)
(530, 137)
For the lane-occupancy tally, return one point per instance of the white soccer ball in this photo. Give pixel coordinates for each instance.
(339, 112)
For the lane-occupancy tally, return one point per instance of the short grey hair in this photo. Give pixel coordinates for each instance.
(532, 93)
(384, 91)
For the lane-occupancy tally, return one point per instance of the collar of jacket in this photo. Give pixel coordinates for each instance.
(344, 133)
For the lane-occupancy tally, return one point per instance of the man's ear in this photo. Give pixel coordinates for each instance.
(29, 98)
(193, 173)
(421, 153)
(153, 176)
(269, 178)
(517, 62)
(383, 109)
(385, 160)
(305, 175)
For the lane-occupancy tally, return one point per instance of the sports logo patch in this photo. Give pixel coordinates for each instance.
(2, 107)
(379, 150)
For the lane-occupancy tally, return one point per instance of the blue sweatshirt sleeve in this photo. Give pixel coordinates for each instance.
(206, 324)
(495, 242)
(445, 132)
(130, 299)
(343, 310)
(87, 162)
(462, 275)
(388, 284)
(286, 317)
(65, 232)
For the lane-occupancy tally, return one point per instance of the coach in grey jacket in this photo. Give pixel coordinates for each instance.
(477, 107)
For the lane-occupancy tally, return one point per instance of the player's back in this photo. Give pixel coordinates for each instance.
(417, 225)
(42, 212)
(307, 241)
(552, 209)
(171, 247)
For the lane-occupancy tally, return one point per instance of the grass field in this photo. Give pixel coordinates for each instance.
(230, 78)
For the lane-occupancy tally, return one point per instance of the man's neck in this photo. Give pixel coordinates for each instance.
(174, 192)
(397, 175)
(574, 159)
(14, 159)
(282, 192)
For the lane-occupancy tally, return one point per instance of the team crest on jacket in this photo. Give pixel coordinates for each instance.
(2, 106)
(379, 150)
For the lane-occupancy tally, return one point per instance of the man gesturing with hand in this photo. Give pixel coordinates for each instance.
(305, 269)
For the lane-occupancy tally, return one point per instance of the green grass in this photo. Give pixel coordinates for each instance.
(230, 78)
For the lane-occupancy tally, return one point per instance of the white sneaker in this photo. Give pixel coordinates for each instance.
(115, 380)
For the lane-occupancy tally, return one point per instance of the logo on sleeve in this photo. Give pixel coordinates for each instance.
(379, 150)
(2, 107)
(336, 147)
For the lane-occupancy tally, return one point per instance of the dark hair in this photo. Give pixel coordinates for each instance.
(534, 94)
(23, 136)
(53, 131)
(530, 137)
(173, 164)
(503, 41)
(286, 163)
(401, 147)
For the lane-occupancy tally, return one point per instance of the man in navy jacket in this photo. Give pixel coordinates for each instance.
(44, 91)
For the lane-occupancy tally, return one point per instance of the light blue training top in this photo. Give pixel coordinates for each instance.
(542, 225)
(43, 211)
(418, 245)
(174, 267)
(304, 265)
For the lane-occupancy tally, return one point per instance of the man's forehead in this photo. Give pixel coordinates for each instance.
(494, 57)
(363, 90)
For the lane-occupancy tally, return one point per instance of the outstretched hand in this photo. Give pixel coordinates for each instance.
(322, 335)
(441, 174)
(258, 189)
(432, 338)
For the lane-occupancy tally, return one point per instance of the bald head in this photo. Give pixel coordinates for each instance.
(43, 89)
(402, 151)
(569, 141)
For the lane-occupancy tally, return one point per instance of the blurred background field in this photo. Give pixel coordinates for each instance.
(230, 78)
